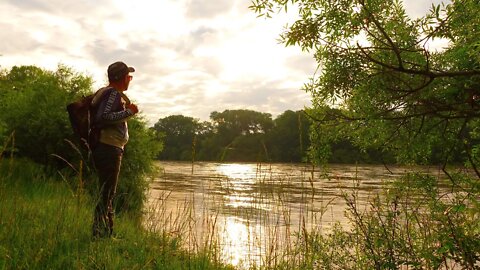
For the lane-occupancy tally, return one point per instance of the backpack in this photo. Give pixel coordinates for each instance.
(82, 114)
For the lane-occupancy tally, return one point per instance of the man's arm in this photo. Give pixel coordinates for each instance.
(112, 110)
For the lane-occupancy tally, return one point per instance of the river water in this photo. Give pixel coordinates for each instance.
(248, 210)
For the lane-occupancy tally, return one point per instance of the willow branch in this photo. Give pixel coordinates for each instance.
(384, 33)
(420, 72)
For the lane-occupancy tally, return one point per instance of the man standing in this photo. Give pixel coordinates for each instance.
(114, 109)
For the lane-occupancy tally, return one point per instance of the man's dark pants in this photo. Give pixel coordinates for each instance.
(107, 160)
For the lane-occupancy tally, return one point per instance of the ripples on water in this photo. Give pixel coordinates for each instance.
(251, 210)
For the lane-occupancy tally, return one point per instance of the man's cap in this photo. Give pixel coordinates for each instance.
(118, 70)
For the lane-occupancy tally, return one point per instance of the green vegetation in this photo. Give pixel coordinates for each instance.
(245, 135)
(416, 222)
(381, 92)
(34, 125)
(235, 135)
(48, 190)
(45, 224)
(382, 86)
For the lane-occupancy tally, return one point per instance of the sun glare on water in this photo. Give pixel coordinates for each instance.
(237, 172)
(239, 183)
(235, 234)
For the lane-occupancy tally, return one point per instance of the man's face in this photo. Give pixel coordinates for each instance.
(128, 78)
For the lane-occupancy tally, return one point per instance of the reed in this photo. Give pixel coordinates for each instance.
(250, 232)
(412, 222)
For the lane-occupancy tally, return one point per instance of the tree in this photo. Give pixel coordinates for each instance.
(33, 104)
(288, 139)
(205, 144)
(232, 125)
(179, 133)
(242, 121)
(382, 85)
(376, 66)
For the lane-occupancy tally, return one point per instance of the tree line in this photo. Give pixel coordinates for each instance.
(246, 135)
(235, 135)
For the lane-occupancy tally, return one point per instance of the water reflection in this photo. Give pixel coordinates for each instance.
(237, 171)
(235, 233)
(239, 184)
(251, 210)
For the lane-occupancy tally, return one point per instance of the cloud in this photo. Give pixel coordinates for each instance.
(207, 8)
(15, 44)
(192, 56)
(418, 9)
(31, 5)
(269, 94)
(192, 99)
(302, 64)
(104, 50)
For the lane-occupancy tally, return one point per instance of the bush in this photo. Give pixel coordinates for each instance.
(137, 165)
(33, 104)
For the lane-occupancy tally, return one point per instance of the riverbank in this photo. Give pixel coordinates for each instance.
(45, 224)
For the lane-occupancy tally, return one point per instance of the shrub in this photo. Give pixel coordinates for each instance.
(34, 108)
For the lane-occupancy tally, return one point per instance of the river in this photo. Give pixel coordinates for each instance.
(251, 210)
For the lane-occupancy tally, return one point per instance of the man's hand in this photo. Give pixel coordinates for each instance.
(133, 108)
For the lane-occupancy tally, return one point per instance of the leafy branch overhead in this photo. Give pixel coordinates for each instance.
(409, 87)
(377, 64)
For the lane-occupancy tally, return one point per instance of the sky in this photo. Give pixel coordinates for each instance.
(192, 57)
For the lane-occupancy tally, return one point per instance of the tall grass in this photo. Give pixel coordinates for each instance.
(45, 223)
(264, 223)
(416, 221)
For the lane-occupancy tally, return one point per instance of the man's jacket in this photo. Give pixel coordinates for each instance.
(112, 116)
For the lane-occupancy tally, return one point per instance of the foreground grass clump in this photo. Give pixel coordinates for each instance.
(45, 224)
(418, 221)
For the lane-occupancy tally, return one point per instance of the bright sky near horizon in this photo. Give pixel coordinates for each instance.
(192, 57)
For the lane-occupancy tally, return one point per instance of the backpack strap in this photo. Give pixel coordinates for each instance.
(98, 96)
(127, 100)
